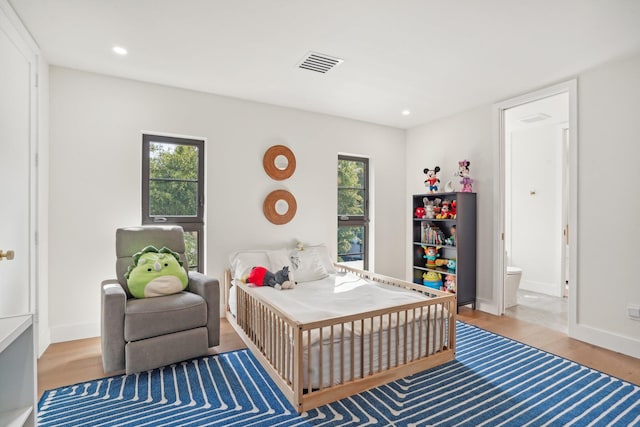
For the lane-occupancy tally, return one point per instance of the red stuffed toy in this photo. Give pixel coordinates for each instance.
(260, 276)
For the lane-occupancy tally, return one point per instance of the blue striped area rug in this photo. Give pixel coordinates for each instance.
(494, 381)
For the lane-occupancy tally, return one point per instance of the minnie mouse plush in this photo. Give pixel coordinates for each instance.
(463, 172)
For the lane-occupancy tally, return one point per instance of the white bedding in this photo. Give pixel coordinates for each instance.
(345, 294)
(336, 295)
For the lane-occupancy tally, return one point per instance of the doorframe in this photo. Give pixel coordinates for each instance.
(571, 88)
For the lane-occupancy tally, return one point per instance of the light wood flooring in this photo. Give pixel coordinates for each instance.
(76, 361)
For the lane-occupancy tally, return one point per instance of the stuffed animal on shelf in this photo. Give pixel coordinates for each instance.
(445, 210)
(449, 284)
(431, 207)
(432, 279)
(436, 205)
(441, 262)
(454, 209)
(463, 172)
(420, 212)
(260, 276)
(431, 254)
(451, 264)
(428, 211)
(432, 179)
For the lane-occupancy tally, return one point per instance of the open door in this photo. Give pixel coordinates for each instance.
(15, 185)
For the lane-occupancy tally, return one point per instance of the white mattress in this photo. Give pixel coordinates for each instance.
(336, 295)
(344, 294)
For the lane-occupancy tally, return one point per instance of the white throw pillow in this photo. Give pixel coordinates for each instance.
(323, 252)
(304, 266)
(243, 261)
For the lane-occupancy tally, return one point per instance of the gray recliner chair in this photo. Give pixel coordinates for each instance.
(142, 334)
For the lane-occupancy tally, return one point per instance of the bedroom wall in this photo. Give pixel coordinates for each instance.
(608, 129)
(95, 180)
(444, 143)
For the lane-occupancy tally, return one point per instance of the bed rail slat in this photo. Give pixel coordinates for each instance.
(380, 345)
(331, 380)
(389, 342)
(352, 353)
(320, 366)
(342, 379)
(406, 336)
(309, 361)
(370, 371)
(362, 336)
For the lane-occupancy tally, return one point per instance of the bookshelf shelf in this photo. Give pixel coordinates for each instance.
(437, 233)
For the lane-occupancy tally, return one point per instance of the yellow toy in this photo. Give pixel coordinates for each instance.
(432, 280)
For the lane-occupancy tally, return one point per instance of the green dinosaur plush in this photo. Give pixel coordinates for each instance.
(155, 273)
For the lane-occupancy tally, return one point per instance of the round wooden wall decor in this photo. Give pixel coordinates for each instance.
(280, 207)
(279, 162)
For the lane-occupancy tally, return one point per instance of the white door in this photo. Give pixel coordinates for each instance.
(15, 216)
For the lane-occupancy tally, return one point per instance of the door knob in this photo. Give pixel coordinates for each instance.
(8, 255)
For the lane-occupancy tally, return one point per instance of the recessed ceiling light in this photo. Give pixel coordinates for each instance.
(406, 112)
(120, 50)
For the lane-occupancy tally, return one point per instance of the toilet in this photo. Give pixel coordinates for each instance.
(511, 285)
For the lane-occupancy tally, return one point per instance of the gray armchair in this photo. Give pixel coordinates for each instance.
(142, 334)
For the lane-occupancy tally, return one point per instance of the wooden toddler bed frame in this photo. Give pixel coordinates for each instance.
(401, 337)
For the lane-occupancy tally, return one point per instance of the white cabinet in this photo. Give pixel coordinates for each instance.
(17, 372)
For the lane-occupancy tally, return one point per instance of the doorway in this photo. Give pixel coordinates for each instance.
(537, 162)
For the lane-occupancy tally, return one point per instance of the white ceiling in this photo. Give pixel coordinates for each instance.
(435, 58)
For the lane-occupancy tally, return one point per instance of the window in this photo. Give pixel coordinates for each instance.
(173, 189)
(353, 211)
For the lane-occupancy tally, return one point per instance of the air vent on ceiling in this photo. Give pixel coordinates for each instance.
(319, 62)
(532, 118)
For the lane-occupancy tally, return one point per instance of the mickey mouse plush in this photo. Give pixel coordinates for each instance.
(260, 276)
(432, 179)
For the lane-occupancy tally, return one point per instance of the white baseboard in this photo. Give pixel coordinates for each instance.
(76, 331)
(487, 307)
(610, 341)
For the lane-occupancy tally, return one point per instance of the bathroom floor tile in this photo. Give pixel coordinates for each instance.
(545, 310)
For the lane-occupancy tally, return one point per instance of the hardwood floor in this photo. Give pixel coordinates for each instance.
(76, 361)
(556, 342)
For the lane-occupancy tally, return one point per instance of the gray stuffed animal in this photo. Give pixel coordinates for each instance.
(283, 279)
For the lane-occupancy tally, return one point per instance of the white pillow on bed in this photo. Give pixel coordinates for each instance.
(325, 258)
(243, 261)
(304, 266)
